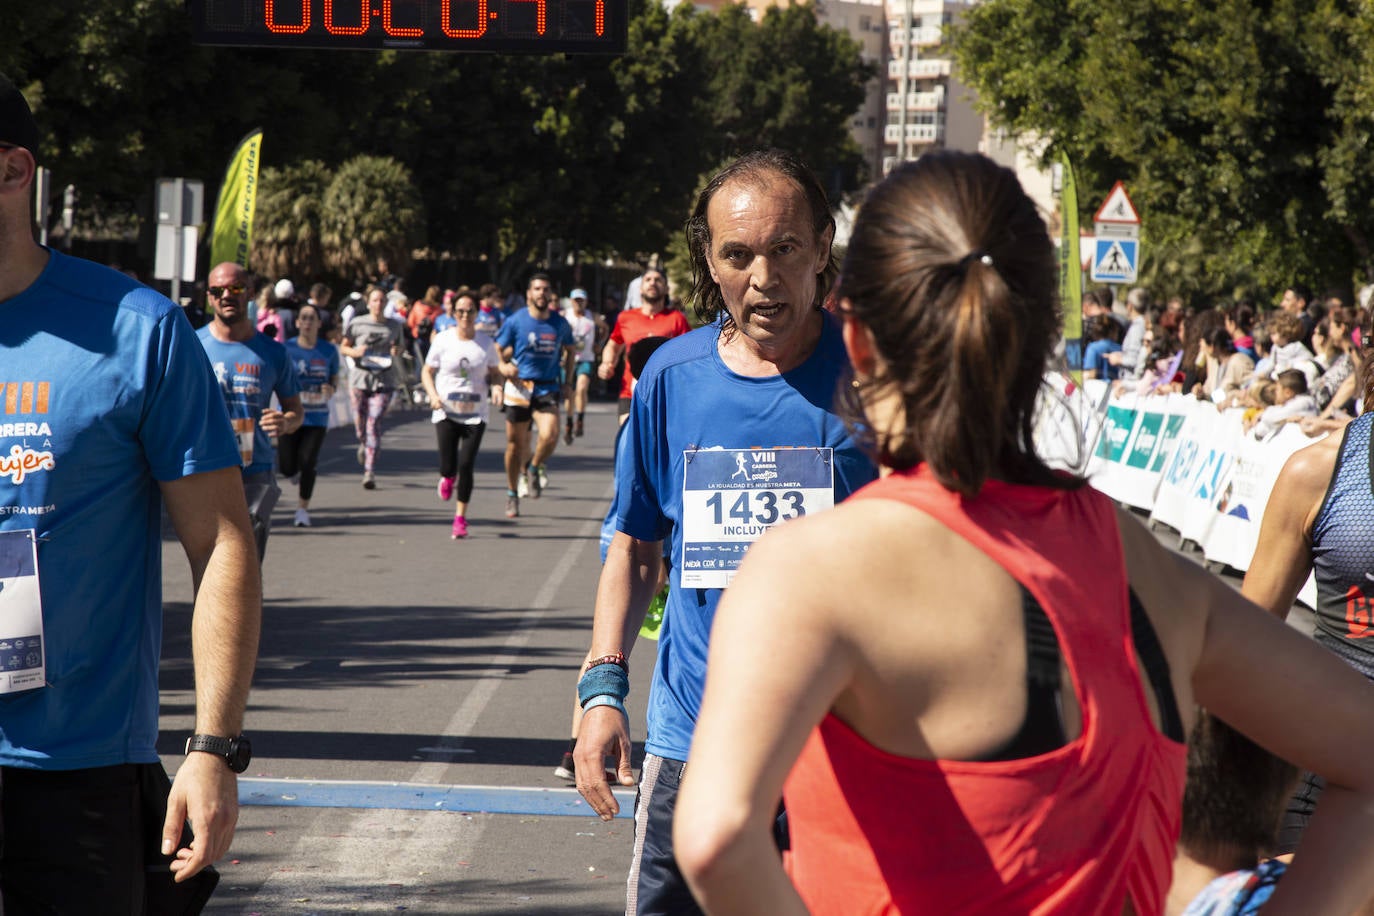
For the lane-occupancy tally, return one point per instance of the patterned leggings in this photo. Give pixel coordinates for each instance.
(368, 407)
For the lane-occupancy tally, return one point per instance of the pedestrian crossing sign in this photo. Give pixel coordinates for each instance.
(1115, 260)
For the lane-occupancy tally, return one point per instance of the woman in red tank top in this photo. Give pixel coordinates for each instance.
(970, 681)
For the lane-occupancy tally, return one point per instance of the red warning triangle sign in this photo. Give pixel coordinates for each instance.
(1117, 208)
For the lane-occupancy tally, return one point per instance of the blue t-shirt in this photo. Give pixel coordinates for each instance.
(248, 372)
(1095, 357)
(488, 321)
(315, 368)
(444, 322)
(688, 400)
(538, 345)
(106, 386)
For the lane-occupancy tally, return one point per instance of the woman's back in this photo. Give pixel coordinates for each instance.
(942, 672)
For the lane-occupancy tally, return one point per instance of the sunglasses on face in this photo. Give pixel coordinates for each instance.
(462, 312)
(219, 291)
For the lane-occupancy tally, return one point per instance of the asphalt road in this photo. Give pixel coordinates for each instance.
(410, 687)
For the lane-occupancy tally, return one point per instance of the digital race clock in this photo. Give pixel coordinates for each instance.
(531, 26)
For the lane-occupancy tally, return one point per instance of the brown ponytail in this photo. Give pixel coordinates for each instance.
(951, 269)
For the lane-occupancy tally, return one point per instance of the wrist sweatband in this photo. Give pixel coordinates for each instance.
(607, 679)
(605, 700)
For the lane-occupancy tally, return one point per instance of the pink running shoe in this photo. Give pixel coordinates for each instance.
(445, 488)
(460, 527)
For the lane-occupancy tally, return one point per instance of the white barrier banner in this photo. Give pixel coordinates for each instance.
(1193, 468)
(1193, 455)
(1241, 502)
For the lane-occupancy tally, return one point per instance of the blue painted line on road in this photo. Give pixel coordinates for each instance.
(292, 793)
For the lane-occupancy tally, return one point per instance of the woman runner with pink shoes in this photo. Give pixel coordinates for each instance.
(457, 375)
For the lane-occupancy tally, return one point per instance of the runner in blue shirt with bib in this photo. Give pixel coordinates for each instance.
(533, 344)
(732, 429)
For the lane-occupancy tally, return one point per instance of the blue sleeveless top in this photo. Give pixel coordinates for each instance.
(1343, 552)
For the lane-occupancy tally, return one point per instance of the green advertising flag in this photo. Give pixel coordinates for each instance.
(238, 195)
(1070, 262)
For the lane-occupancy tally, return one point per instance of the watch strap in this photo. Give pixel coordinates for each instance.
(212, 744)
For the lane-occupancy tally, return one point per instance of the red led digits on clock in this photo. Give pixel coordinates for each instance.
(334, 28)
(583, 19)
(541, 14)
(279, 28)
(394, 30)
(446, 12)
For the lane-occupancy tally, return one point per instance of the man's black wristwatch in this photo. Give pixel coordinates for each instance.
(236, 752)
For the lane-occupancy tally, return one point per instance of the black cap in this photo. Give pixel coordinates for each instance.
(17, 126)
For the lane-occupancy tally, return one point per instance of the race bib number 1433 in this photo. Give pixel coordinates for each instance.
(732, 496)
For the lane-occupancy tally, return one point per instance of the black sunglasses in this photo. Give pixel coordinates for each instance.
(219, 291)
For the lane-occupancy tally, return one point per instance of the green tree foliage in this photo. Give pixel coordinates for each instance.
(1238, 125)
(785, 81)
(371, 209)
(286, 225)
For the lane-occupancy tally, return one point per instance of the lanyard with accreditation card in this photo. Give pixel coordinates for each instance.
(21, 613)
(731, 496)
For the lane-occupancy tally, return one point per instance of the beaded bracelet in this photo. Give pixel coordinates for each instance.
(615, 658)
(606, 700)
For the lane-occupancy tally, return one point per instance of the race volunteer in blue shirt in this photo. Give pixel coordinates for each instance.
(532, 343)
(732, 429)
(250, 368)
(108, 413)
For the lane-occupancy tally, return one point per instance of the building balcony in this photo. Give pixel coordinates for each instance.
(922, 37)
(915, 133)
(919, 69)
(918, 101)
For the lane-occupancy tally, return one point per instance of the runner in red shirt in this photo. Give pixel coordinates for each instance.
(653, 318)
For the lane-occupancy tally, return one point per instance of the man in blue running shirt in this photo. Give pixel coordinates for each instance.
(110, 414)
(732, 429)
(533, 343)
(250, 368)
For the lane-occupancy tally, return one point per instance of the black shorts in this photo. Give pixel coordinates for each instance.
(540, 403)
(86, 841)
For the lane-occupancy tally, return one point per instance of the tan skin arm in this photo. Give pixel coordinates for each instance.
(628, 582)
(1283, 555)
(609, 355)
(211, 520)
(285, 421)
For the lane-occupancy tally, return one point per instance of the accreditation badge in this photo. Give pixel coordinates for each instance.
(21, 613)
(462, 405)
(732, 496)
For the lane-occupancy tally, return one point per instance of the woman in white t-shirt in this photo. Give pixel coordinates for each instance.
(458, 371)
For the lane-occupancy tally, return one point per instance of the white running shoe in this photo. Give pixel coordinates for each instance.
(302, 519)
(522, 487)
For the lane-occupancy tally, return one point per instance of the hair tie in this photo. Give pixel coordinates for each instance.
(976, 254)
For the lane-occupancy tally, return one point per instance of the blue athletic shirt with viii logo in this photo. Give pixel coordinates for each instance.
(104, 393)
(760, 450)
(248, 372)
(315, 368)
(538, 345)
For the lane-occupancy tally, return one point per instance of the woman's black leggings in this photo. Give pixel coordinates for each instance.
(458, 444)
(300, 452)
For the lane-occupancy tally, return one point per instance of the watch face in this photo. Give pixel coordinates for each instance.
(240, 753)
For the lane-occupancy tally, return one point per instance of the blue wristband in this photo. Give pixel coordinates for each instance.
(605, 700)
(608, 679)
